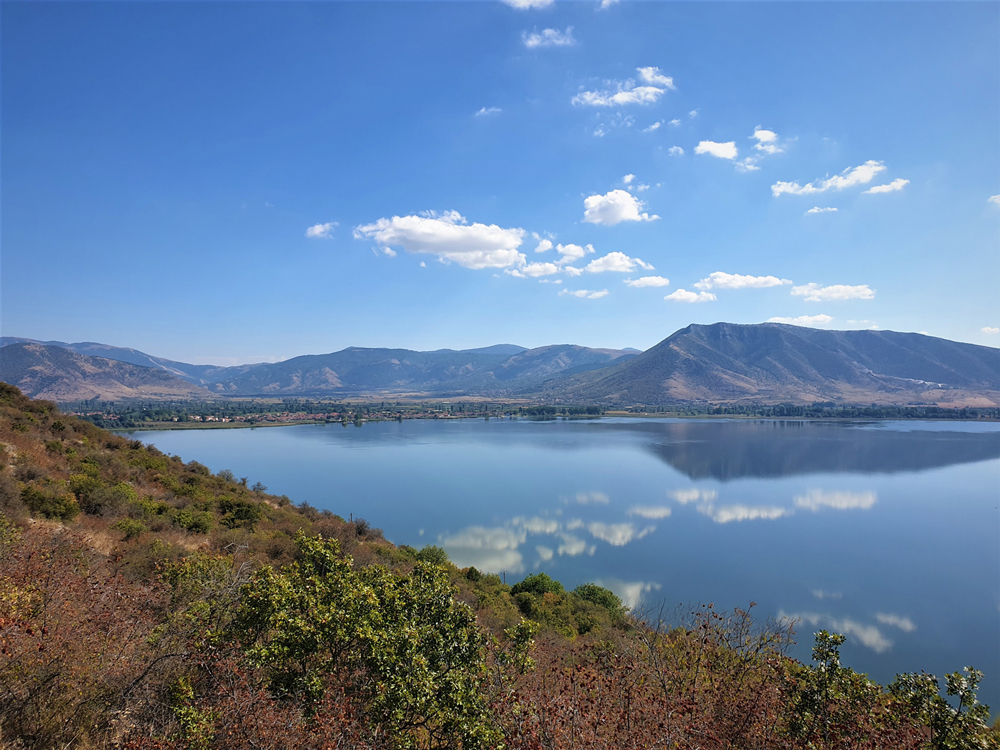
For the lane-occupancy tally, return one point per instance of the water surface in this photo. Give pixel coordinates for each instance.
(888, 532)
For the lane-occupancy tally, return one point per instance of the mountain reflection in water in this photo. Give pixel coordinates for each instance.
(734, 449)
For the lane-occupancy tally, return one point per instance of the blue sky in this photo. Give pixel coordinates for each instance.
(243, 182)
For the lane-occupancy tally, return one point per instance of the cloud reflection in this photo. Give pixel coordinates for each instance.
(631, 593)
(868, 635)
(815, 499)
(649, 511)
(740, 513)
(692, 495)
(491, 550)
(617, 534)
(903, 623)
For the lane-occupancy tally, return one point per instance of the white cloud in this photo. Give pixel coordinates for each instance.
(616, 263)
(815, 499)
(767, 141)
(423, 265)
(994, 199)
(720, 280)
(675, 122)
(868, 635)
(641, 187)
(675, 151)
(572, 546)
(571, 253)
(693, 113)
(810, 321)
(835, 292)
(990, 330)
(489, 549)
(544, 553)
(652, 512)
(720, 150)
(693, 494)
(584, 293)
(818, 210)
(655, 126)
(450, 238)
(592, 498)
(534, 270)
(821, 595)
(605, 4)
(903, 623)
(543, 246)
(574, 523)
(617, 534)
(850, 177)
(627, 179)
(528, 4)
(645, 281)
(631, 593)
(485, 111)
(389, 252)
(740, 513)
(897, 184)
(628, 92)
(321, 231)
(615, 207)
(683, 295)
(548, 38)
(536, 525)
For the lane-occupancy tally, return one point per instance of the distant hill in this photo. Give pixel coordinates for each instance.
(775, 363)
(60, 374)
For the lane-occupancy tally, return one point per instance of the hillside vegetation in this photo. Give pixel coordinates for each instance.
(148, 603)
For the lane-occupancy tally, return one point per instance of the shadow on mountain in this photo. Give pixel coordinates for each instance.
(764, 449)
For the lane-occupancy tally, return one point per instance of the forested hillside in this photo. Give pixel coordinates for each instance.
(146, 602)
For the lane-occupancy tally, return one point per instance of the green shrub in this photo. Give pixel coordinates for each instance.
(434, 555)
(538, 583)
(600, 596)
(130, 528)
(51, 502)
(238, 513)
(198, 522)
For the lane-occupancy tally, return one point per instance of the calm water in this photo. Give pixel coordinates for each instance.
(886, 532)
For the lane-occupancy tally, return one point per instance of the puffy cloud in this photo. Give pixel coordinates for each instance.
(720, 280)
(675, 151)
(692, 495)
(815, 499)
(740, 513)
(617, 534)
(605, 4)
(835, 292)
(903, 623)
(631, 593)
(485, 111)
(617, 263)
(613, 208)
(321, 231)
(450, 238)
(683, 295)
(655, 126)
(645, 281)
(536, 525)
(767, 141)
(868, 635)
(389, 252)
(488, 549)
(572, 546)
(818, 210)
(675, 122)
(543, 246)
(649, 87)
(528, 4)
(897, 184)
(584, 293)
(994, 199)
(571, 253)
(850, 177)
(592, 498)
(652, 512)
(720, 150)
(992, 331)
(533, 270)
(810, 321)
(627, 179)
(548, 38)
(693, 113)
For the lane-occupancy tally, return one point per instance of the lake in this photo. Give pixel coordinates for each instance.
(887, 532)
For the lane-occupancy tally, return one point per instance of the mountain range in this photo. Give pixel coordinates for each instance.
(723, 362)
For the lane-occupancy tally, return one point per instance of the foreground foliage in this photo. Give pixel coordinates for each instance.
(147, 603)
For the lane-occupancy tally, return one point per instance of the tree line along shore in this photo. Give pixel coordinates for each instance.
(146, 602)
